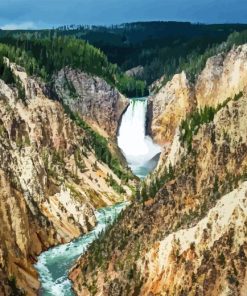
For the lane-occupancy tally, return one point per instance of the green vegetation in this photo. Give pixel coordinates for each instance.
(80, 163)
(70, 87)
(15, 291)
(100, 246)
(20, 89)
(99, 144)
(194, 62)
(54, 162)
(221, 260)
(132, 86)
(44, 57)
(8, 77)
(113, 183)
(156, 183)
(190, 126)
(160, 47)
(5, 73)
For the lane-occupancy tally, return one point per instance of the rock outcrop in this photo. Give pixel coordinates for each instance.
(136, 72)
(50, 183)
(98, 103)
(169, 106)
(223, 77)
(201, 259)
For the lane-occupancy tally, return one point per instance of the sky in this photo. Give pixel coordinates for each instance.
(32, 14)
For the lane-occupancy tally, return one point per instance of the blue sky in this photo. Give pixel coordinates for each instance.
(49, 13)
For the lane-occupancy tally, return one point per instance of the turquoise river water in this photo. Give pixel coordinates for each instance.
(53, 265)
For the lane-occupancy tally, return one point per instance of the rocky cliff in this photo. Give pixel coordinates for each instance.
(137, 72)
(51, 182)
(98, 103)
(169, 107)
(224, 76)
(188, 238)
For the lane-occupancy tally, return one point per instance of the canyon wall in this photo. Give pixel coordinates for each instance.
(223, 77)
(169, 107)
(98, 103)
(51, 182)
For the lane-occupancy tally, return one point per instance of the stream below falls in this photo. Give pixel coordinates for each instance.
(53, 265)
(142, 156)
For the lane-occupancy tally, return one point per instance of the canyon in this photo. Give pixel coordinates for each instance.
(188, 235)
(66, 152)
(224, 76)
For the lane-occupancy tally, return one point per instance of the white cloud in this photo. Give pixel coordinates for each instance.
(20, 26)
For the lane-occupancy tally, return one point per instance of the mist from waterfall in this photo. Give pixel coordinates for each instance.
(137, 147)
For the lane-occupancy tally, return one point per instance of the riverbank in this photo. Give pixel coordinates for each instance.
(53, 265)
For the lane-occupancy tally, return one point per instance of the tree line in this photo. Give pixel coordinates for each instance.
(160, 47)
(44, 57)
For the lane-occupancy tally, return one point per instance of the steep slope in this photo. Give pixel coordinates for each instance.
(190, 239)
(224, 76)
(51, 182)
(208, 258)
(169, 106)
(98, 103)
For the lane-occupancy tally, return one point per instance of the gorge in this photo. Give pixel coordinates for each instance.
(187, 234)
(101, 195)
(53, 265)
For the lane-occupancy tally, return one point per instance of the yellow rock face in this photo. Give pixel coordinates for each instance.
(191, 238)
(170, 106)
(223, 77)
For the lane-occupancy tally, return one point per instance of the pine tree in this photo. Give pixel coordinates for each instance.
(7, 75)
(144, 194)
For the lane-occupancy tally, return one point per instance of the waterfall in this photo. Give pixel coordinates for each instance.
(137, 147)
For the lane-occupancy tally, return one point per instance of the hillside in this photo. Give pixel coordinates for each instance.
(46, 56)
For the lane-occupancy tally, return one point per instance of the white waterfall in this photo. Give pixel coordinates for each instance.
(137, 147)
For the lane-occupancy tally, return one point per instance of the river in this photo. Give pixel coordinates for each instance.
(53, 265)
